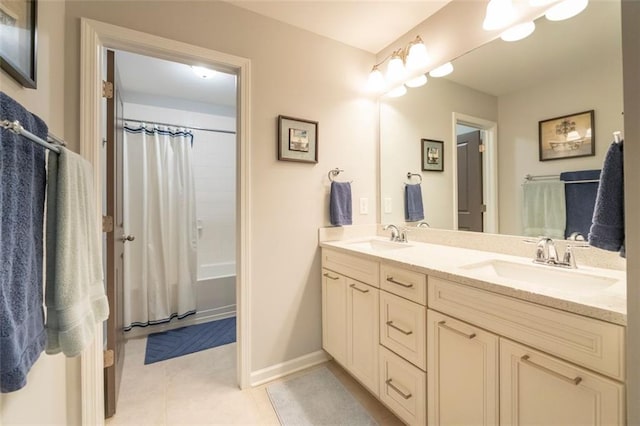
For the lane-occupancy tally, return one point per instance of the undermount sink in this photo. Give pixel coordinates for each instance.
(542, 276)
(377, 245)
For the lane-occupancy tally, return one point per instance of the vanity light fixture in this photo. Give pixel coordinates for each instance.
(402, 63)
(397, 92)
(500, 13)
(442, 70)
(203, 72)
(518, 32)
(566, 9)
(421, 80)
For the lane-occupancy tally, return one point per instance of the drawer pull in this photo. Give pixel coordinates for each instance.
(353, 286)
(444, 325)
(391, 280)
(576, 380)
(330, 277)
(395, 388)
(405, 332)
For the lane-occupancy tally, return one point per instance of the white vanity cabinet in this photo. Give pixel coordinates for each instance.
(463, 370)
(350, 309)
(538, 389)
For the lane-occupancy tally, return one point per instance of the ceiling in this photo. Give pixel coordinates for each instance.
(367, 25)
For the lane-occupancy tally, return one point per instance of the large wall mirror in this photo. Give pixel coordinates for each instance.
(501, 91)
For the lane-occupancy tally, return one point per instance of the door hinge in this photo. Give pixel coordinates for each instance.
(108, 357)
(481, 147)
(483, 208)
(107, 89)
(107, 223)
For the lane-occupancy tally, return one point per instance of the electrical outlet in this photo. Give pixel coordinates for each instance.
(388, 206)
(364, 205)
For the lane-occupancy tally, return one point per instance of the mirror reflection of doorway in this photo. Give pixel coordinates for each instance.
(470, 188)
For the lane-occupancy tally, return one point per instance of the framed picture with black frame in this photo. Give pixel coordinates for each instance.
(568, 136)
(18, 32)
(432, 155)
(297, 139)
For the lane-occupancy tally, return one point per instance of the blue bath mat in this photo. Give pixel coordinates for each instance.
(190, 339)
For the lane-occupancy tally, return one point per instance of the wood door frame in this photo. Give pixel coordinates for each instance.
(95, 36)
(489, 169)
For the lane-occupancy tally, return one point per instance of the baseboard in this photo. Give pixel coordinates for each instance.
(288, 367)
(199, 318)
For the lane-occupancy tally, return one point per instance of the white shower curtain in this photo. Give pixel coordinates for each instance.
(159, 210)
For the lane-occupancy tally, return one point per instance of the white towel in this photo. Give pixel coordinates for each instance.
(544, 209)
(75, 296)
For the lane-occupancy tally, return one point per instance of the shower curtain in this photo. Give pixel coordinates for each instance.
(160, 265)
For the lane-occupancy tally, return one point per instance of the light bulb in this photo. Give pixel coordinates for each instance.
(376, 80)
(519, 31)
(421, 80)
(442, 70)
(395, 69)
(499, 14)
(203, 72)
(397, 92)
(539, 3)
(566, 9)
(418, 56)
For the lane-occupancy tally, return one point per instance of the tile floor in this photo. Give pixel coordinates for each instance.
(200, 388)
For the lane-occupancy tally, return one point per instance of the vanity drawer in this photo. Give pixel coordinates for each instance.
(408, 284)
(363, 270)
(594, 344)
(403, 328)
(403, 388)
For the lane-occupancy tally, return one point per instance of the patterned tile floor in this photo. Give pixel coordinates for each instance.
(200, 389)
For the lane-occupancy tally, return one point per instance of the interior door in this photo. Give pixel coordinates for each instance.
(470, 204)
(115, 241)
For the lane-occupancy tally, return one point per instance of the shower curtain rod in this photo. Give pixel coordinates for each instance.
(230, 132)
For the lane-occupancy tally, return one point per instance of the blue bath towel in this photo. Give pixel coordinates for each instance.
(580, 199)
(340, 203)
(22, 189)
(413, 210)
(607, 230)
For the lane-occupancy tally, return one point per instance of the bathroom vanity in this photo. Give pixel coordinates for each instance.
(446, 335)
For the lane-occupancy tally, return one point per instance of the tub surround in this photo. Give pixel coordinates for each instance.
(438, 258)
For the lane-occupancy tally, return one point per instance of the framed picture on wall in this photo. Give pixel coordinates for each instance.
(432, 155)
(297, 140)
(18, 20)
(568, 136)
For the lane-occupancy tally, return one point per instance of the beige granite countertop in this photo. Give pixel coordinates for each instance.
(608, 304)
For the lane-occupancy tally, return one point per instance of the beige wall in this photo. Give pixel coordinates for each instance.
(425, 112)
(51, 395)
(294, 73)
(599, 89)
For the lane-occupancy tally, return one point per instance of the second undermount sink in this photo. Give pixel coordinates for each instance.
(377, 245)
(542, 276)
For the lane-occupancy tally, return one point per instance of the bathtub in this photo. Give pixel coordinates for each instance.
(216, 291)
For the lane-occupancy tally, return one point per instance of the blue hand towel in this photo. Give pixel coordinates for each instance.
(607, 230)
(22, 189)
(580, 199)
(413, 210)
(340, 203)
(74, 297)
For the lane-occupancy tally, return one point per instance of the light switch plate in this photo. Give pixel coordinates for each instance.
(387, 205)
(364, 205)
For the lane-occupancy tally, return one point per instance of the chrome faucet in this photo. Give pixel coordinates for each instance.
(423, 224)
(396, 234)
(547, 254)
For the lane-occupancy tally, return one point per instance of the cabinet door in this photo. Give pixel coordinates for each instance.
(334, 315)
(462, 379)
(538, 389)
(362, 333)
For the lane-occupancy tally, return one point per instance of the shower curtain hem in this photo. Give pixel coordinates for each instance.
(160, 321)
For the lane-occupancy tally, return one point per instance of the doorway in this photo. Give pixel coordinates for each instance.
(475, 194)
(95, 37)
